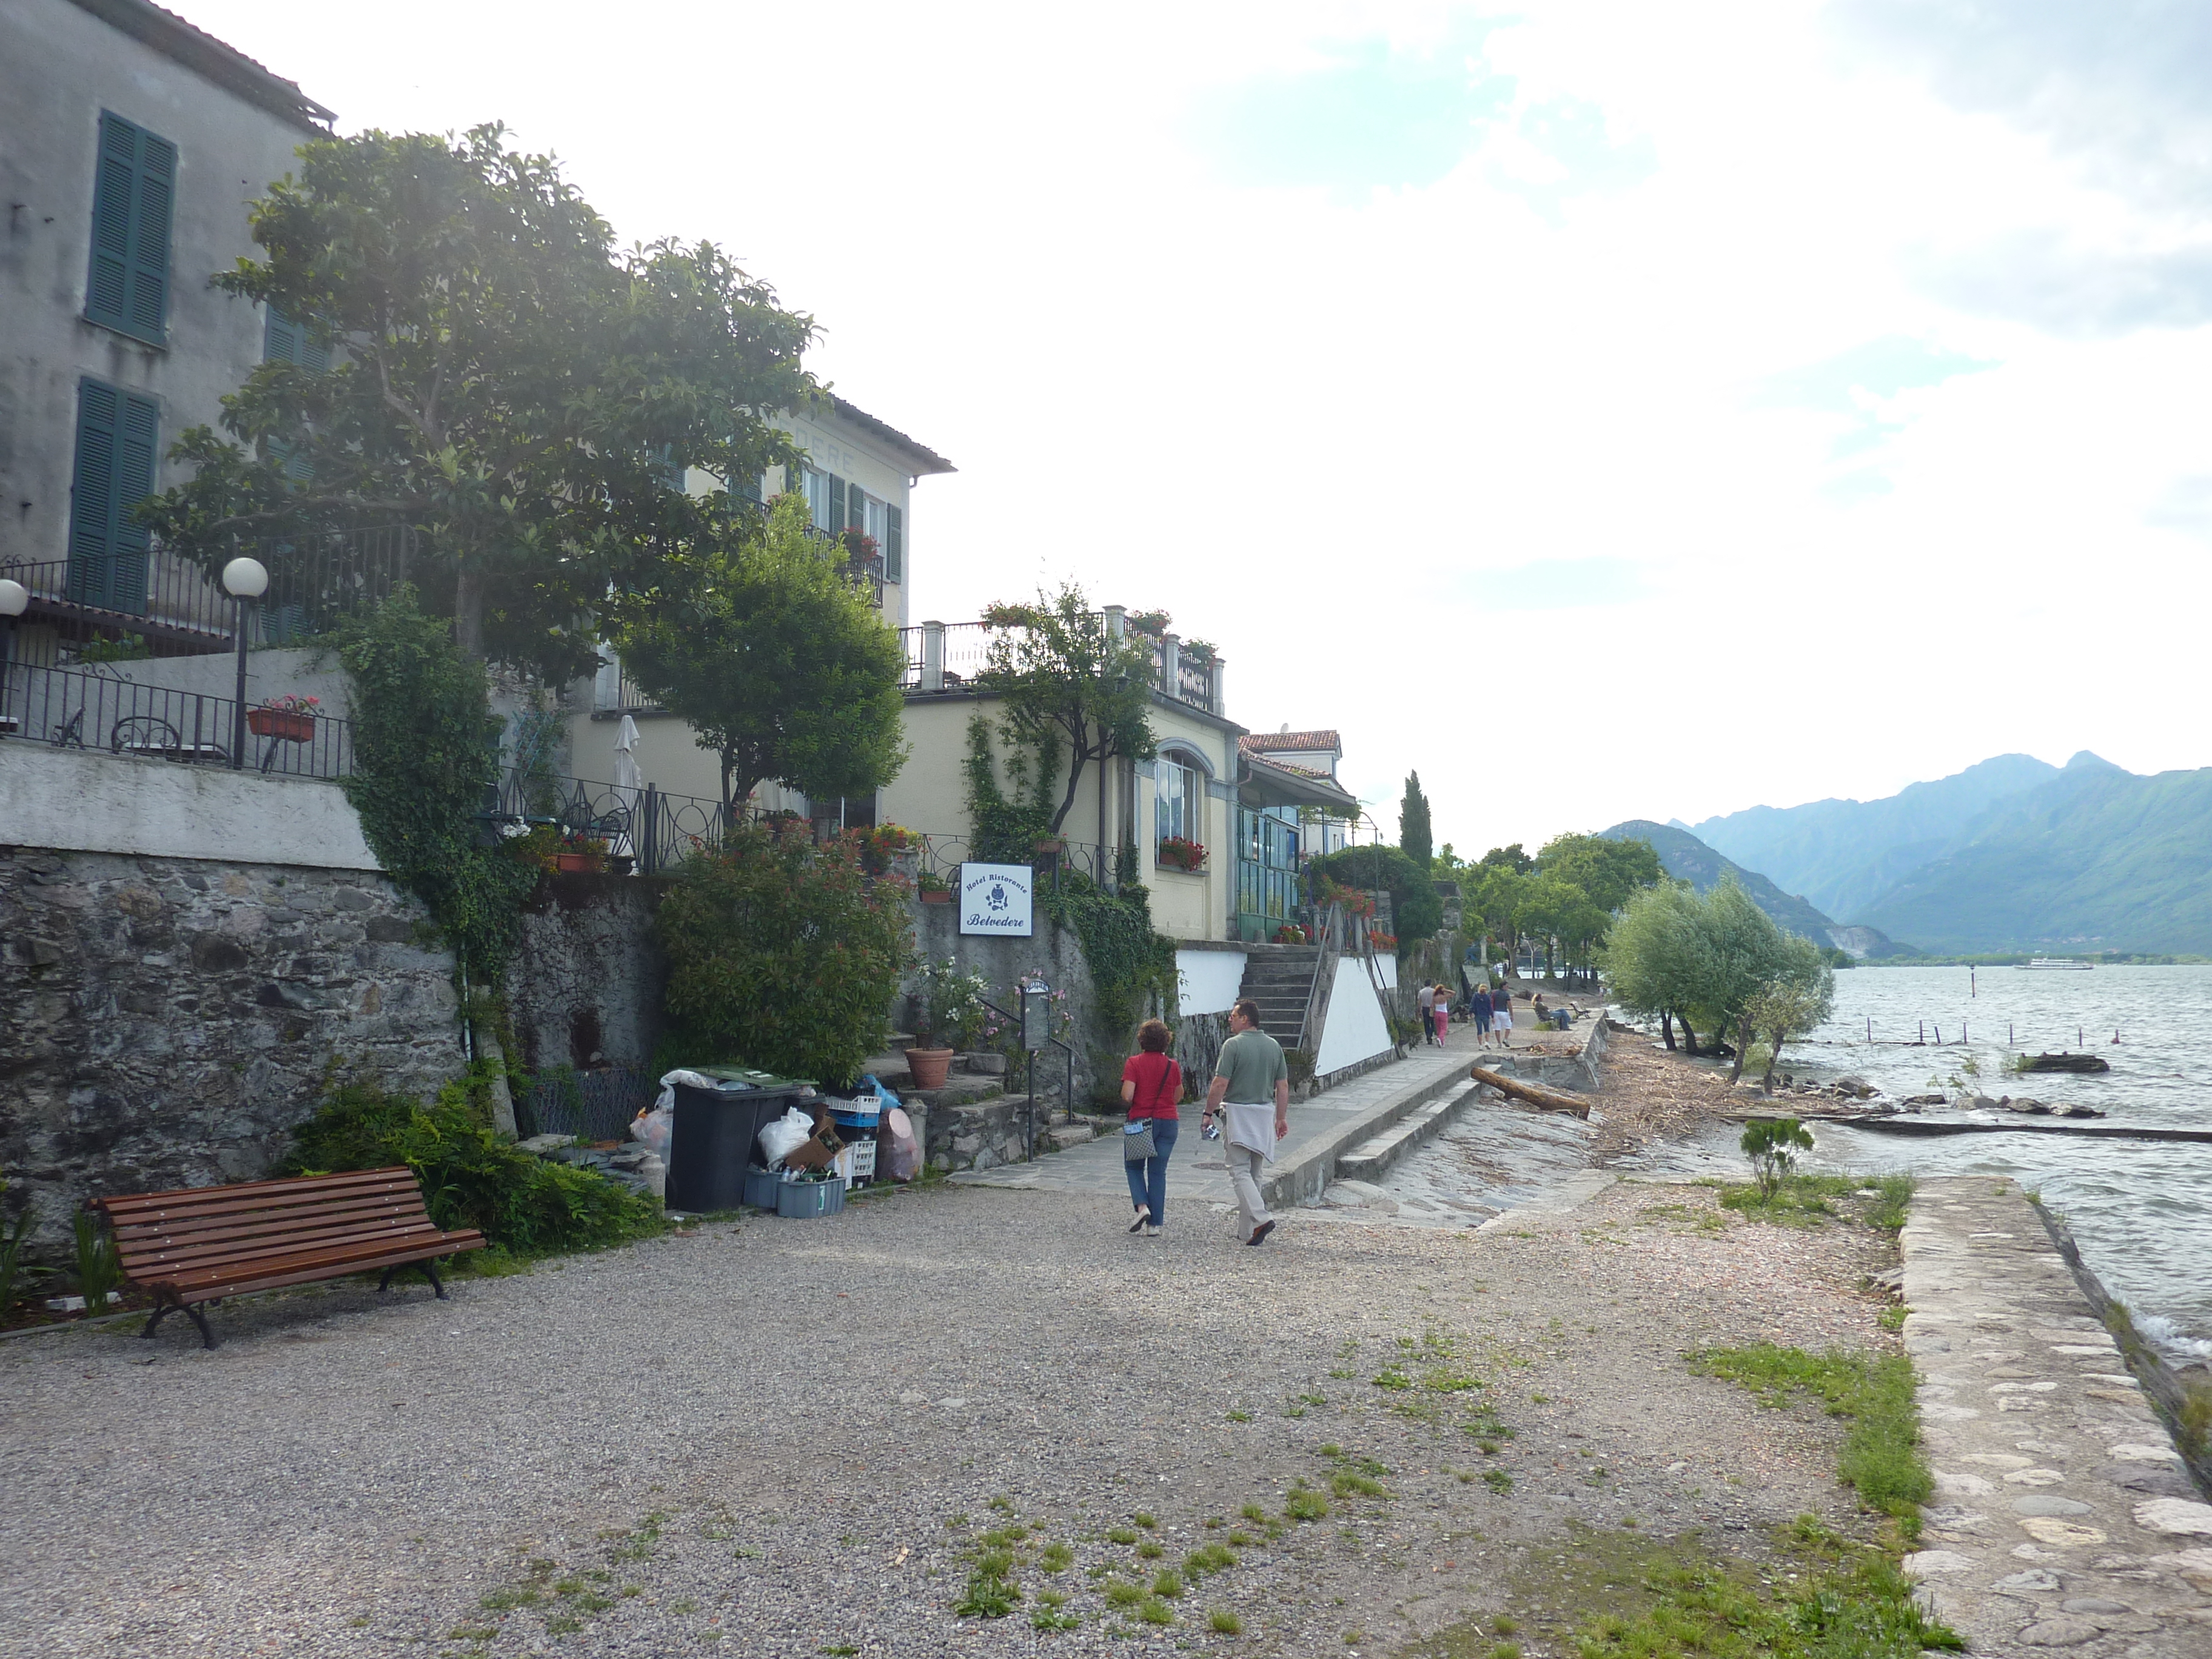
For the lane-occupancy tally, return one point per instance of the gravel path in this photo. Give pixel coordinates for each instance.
(766, 1429)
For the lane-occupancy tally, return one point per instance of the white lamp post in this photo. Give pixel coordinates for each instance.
(13, 596)
(244, 579)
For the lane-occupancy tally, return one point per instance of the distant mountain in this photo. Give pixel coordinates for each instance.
(2097, 859)
(1844, 855)
(1683, 856)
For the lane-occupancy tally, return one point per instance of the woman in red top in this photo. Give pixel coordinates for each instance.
(1151, 1083)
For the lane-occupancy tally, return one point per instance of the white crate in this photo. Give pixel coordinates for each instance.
(858, 1161)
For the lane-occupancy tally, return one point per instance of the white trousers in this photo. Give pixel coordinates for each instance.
(1244, 1167)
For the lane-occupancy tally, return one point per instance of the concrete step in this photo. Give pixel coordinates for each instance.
(1379, 1154)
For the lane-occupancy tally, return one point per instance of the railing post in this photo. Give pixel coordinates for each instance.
(648, 845)
(1171, 665)
(1219, 704)
(932, 656)
(1117, 622)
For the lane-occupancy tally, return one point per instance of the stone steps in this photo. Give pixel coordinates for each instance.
(1379, 1154)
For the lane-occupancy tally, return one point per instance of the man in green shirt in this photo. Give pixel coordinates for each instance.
(1251, 1093)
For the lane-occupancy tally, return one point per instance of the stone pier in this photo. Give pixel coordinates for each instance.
(2062, 1516)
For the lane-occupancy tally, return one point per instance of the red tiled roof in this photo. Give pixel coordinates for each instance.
(1282, 742)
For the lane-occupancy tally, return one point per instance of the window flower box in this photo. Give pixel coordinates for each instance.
(287, 719)
(1181, 852)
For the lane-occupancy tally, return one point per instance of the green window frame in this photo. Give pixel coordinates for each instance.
(133, 202)
(117, 438)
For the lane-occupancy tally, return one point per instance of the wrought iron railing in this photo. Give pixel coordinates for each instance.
(954, 654)
(177, 602)
(68, 709)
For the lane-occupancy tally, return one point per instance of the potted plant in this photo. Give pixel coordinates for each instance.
(933, 888)
(577, 855)
(289, 719)
(949, 1009)
(1181, 852)
(1291, 934)
(1049, 846)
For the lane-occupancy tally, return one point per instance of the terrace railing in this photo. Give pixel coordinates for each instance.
(947, 656)
(69, 709)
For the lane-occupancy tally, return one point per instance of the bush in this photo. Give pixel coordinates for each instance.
(470, 1176)
(783, 954)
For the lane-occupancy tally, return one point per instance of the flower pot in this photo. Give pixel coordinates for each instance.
(929, 1066)
(284, 724)
(1052, 847)
(936, 898)
(578, 863)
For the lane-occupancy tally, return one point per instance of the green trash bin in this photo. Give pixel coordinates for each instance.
(713, 1139)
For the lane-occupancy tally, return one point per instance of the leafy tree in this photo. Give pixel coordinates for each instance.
(1509, 858)
(1659, 957)
(1064, 680)
(1416, 911)
(1773, 1146)
(1494, 895)
(1607, 871)
(778, 664)
(502, 378)
(1558, 910)
(782, 954)
(426, 752)
(1793, 1004)
(1414, 836)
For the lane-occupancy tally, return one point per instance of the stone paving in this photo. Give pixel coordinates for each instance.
(2061, 1516)
(1197, 1173)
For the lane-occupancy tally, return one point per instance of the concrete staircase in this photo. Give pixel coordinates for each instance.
(1279, 978)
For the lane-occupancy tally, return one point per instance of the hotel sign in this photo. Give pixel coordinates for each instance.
(996, 898)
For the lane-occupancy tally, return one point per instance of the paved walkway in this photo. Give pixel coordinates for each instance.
(1321, 1128)
(2062, 1517)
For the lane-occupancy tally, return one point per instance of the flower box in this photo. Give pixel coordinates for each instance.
(579, 863)
(1176, 853)
(285, 725)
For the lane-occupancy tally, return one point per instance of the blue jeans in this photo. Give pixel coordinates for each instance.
(1148, 1180)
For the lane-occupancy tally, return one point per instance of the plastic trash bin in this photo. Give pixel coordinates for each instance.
(712, 1144)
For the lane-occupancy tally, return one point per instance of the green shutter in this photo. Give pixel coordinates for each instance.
(833, 519)
(856, 508)
(133, 194)
(893, 545)
(117, 438)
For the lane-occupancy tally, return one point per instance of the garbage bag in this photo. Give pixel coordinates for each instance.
(876, 1084)
(653, 1129)
(901, 1158)
(780, 1140)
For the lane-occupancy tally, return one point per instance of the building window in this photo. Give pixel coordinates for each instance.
(835, 503)
(1178, 802)
(133, 194)
(117, 436)
(284, 341)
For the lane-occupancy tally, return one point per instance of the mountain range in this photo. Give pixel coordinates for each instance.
(2010, 854)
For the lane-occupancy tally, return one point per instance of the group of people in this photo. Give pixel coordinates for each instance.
(1490, 1012)
(1250, 1096)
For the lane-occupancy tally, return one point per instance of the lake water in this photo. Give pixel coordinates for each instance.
(2141, 1210)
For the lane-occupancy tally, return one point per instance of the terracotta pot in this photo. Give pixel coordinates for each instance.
(936, 898)
(930, 1067)
(1051, 846)
(282, 723)
(578, 863)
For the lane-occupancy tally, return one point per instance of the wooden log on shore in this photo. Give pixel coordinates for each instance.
(1532, 1094)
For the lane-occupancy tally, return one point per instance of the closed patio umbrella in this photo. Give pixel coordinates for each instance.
(629, 786)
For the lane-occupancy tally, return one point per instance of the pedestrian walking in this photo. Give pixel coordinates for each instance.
(1251, 1091)
(1152, 1084)
(1501, 1019)
(1424, 999)
(1443, 1015)
(1480, 1003)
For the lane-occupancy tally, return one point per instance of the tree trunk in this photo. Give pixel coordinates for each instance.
(1742, 1048)
(468, 588)
(1078, 754)
(1689, 1036)
(1666, 1027)
(1773, 1059)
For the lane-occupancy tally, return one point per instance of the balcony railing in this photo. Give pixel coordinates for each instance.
(948, 656)
(178, 605)
(65, 709)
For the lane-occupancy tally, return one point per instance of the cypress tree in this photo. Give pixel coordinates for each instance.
(1415, 838)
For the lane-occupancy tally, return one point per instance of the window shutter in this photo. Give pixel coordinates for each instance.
(133, 193)
(280, 338)
(834, 519)
(856, 508)
(117, 438)
(893, 545)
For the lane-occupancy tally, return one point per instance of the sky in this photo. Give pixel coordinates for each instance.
(1612, 410)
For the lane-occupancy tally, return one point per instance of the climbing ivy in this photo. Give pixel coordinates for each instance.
(425, 754)
(1009, 819)
(1130, 963)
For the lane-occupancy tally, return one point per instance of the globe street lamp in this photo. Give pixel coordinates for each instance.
(13, 596)
(244, 579)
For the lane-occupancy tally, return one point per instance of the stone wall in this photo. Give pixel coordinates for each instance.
(588, 979)
(169, 1020)
(1056, 954)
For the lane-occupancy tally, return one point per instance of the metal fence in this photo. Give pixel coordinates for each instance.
(598, 1104)
(71, 709)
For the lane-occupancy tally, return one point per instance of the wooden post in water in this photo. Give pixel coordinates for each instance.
(1924, 1034)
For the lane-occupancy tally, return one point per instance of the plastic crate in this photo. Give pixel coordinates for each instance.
(760, 1186)
(850, 1118)
(802, 1199)
(858, 1161)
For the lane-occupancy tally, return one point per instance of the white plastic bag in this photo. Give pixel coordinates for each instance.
(903, 1157)
(651, 1130)
(780, 1140)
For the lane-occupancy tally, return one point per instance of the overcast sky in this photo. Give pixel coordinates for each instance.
(1615, 411)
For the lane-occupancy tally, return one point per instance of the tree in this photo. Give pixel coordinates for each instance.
(778, 664)
(1773, 1146)
(1794, 1003)
(500, 378)
(1607, 871)
(1495, 894)
(1509, 858)
(1416, 911)
(782, 954)
(1064, 678)
(1414, 836)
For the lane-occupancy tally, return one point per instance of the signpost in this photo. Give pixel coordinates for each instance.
(998, 898)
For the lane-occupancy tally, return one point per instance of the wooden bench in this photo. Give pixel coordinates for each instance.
(203, 1243)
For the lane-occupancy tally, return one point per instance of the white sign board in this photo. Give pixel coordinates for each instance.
(995, 898)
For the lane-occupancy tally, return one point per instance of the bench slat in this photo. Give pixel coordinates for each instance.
(215, 1229)
(197, 1197)
(275, 1275)
(248, 1199)
(157, 1262)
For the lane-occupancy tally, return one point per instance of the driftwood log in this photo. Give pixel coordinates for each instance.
(1543, 1099)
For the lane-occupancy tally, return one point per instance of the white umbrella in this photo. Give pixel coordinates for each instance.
(629, 783)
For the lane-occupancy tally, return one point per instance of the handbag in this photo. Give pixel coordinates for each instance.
(1137, 1143)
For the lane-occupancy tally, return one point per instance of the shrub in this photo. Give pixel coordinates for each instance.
(783, 954)
(471, 1177)
(1773, 1146)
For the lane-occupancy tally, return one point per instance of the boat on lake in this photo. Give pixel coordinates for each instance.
(2075, 962)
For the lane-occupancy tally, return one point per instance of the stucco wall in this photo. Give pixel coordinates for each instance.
(1055, 953)
(1211, 978)
(59, 68)
(169, 1020)
(91, 802)
(1353, 1029)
